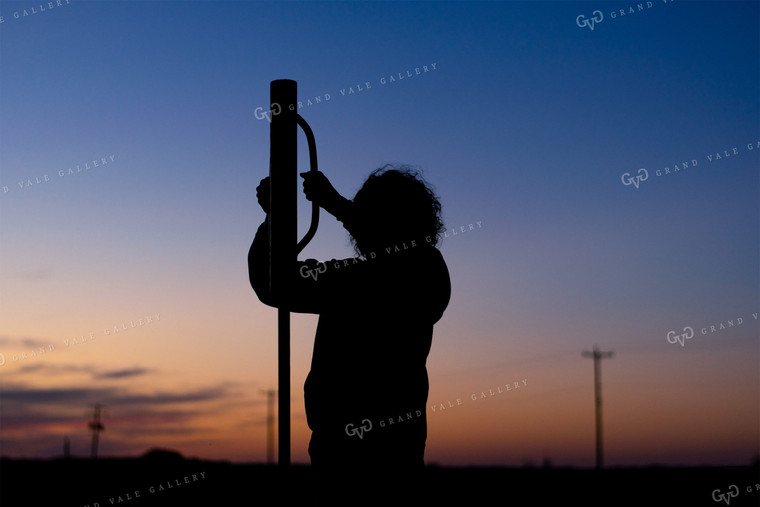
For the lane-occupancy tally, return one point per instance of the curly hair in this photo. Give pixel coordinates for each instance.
(395, 204)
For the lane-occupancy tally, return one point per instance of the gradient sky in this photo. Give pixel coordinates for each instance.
(527, 124)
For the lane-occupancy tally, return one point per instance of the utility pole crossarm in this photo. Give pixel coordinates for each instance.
(601, 355)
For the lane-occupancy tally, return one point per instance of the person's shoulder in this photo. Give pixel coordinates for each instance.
(427, 259)
(432, 252)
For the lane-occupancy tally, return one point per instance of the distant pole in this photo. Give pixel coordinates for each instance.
(96, 426)
(66, 447)
(598, 355)
(270, 424)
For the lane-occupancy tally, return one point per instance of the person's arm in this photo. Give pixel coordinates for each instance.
(318, 189)
(258, 254)
(314, 286)
(258, 265)
(343, 211)
(339, 207)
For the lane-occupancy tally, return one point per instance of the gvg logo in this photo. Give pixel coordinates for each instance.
(674, 337)
(733, 491)
(359, 432)
(688, 332)
(582, 21)
(306, 273)
(627, 179)
(260, 114)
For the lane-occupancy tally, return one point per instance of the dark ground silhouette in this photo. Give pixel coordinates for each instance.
(82, 482)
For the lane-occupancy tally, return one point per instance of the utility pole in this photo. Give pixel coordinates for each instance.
(597, 355)
(96, 426)
(270, 424)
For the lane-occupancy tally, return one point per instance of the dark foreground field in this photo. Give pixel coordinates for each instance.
(170, 480)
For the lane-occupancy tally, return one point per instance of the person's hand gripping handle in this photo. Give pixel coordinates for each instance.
(319, 190)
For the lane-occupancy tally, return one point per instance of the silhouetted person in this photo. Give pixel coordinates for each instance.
(376, 316)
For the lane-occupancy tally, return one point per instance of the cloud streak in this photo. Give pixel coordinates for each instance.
(22, 342)
(57, 369)
(124, 373)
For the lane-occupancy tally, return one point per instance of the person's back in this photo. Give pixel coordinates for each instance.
(368, 368)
